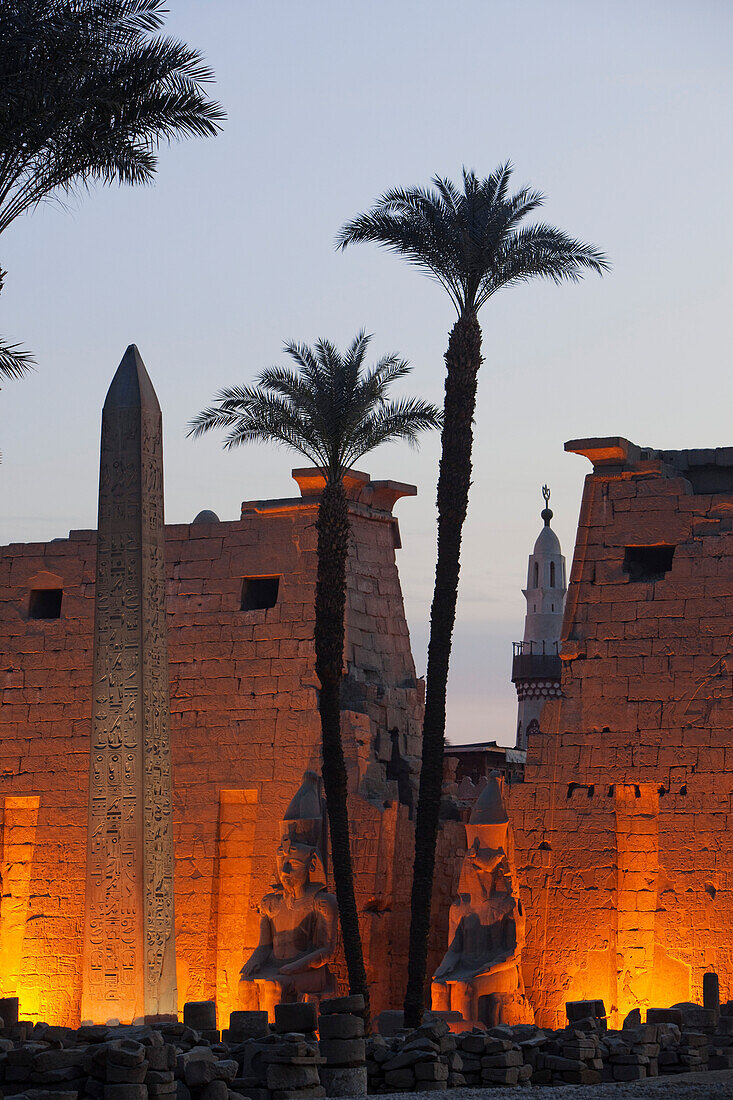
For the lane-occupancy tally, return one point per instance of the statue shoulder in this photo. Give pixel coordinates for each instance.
(325, 903)
(271, 903)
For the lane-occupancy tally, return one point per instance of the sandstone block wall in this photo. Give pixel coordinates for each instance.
(624, 820)
(244, 728)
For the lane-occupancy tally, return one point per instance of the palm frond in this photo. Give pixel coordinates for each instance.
(405, 420)
(14, 362)
(540, 251)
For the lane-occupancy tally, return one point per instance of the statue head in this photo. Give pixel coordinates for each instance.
(299, 859)
(489, 822)
(295, 864)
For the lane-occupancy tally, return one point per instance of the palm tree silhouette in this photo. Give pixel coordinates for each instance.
(333, 410)
(471, 241)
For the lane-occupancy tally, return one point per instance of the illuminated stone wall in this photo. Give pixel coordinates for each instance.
(624, 820)
(244, 728)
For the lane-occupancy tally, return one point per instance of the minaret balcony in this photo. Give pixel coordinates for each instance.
(536, 661)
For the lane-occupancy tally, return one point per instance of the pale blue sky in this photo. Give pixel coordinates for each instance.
(620, 112)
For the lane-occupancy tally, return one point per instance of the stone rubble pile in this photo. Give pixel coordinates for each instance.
(306, 1056)
(570, 1057)
(421, 1059)
(721, 1046)
(282, 1064)
(432, 1059)
(583, 1053)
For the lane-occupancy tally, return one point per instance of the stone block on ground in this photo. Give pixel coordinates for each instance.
(125, 1052)
(353, 1004)
(292, 1049)
(280, 1076)
(506, 1058)
(344, 1080)
(581, 1077)
(129, 1075)
(343, 1052)
(199, 1072)
(204, 1054)
(695, 1016)
(400, 1079)
(341, 1026)
(58, 1059)
(225, 1069)
(580, 1010)
(301, 1016)
(247, 1025)
(9, 1008)
(472, 1044)
(161, 1058)
(506, 1076)
(200, 1015)
(125, 1092)
(431, 1071)
(628, 1073)
(215, 1090)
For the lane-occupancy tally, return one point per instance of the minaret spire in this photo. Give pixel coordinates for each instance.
(546, 512)
(536, 664)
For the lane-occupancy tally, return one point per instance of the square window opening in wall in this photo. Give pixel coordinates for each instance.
(648, 563)
(45, 603)
(259, 593)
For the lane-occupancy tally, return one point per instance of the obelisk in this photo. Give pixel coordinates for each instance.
(129, 942)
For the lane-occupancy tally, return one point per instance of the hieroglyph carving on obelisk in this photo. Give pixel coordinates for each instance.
(129, 943)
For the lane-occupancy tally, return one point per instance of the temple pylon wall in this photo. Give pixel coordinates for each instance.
(244, 728)
(622, 824)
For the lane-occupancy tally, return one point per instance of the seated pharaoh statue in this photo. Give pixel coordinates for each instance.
(299, 919)
(481, 974)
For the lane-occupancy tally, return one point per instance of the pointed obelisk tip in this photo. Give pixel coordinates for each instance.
(131, 387)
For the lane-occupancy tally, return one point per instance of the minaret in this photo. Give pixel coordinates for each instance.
(536, 664)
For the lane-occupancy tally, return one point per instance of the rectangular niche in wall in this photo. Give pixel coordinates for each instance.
(259, 593)
(648, 563)
(45, 603)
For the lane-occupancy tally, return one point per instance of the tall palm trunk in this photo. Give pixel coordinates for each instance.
(333, 542)
(462, 360)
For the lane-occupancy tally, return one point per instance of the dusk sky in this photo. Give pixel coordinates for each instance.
(619, 112)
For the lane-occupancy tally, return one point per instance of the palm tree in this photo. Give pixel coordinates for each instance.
(87, 93)
(333, 411)
(472, 242)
